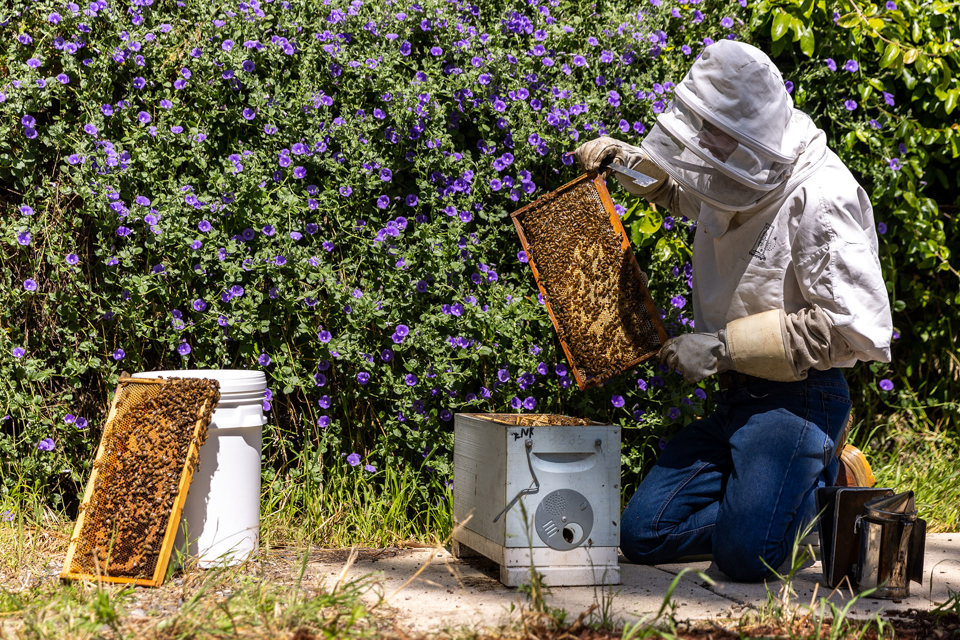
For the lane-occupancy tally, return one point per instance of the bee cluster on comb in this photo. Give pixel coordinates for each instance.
(590, 280)
(148, 451)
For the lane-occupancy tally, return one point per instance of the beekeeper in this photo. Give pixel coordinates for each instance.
(787, 291)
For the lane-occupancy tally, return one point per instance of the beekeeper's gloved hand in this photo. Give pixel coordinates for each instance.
(697, 355)
(593, 155)
(773, 345)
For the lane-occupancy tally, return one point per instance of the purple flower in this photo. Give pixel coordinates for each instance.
(386, 174)
(888, 99)
(248, 66)
(324, 402)
(118, 354)
(26, 210)
(249, 114)
(851, 66)
(46, 444)
(23, 238)
(324, 336)
(673, 413)
(886, 384)
(881, 228)
(18, 352)
(90, 129)
(726, 22)
(323, 421)
(830, 64)
(30, 284)
(617, 401)
(263, 360)
(850, 105)
(363, 377)
(205, 226)
(184, 349)
(353, 459)
(345, 191)
(411, 380)
(895, 164)
(144, 117)
(72, 258)
(529, 403)
(370, 468)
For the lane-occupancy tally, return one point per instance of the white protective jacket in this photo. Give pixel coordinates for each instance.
(785, 251)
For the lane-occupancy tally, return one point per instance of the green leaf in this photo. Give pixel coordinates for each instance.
(849, 20)
(807, 41)
(890, 55)
(781, 24)
(951, 102)
(651, 222)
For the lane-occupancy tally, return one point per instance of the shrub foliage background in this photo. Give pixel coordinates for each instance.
(322, 191)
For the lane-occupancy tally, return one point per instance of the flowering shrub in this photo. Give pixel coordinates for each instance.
(322, 191)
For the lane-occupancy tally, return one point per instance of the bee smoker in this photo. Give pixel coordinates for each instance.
(891, 546)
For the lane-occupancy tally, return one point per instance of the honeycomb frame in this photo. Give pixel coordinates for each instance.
(128, 431)
(633, 326)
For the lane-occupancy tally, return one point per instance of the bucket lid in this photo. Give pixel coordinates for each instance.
(231, 380)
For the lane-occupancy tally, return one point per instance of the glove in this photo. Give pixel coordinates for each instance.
(697, 355)
(603, 150)
(773, 345)
(599, 151)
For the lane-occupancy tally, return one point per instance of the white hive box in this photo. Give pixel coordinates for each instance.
(558, 479)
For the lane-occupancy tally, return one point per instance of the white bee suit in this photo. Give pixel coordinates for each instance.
(785, 253)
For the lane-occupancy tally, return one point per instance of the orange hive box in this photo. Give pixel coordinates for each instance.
(590, 280)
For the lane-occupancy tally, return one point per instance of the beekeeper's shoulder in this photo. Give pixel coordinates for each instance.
(833, 204)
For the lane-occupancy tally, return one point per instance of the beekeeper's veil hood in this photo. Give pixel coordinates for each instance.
(731, 134)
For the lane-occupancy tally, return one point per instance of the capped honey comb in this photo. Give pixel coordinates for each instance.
(134, 499)
(590, 280)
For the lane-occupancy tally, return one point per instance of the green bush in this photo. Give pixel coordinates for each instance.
(322, 191)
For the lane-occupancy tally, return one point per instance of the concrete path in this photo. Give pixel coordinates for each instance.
(450, 593)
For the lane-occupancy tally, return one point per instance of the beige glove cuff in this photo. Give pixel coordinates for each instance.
(757, 347)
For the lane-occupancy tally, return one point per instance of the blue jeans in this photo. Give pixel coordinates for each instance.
(740, 483)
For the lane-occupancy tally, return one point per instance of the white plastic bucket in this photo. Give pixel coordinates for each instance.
(221, 517)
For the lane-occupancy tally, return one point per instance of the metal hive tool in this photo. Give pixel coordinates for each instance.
(133, 501)
(590, 280)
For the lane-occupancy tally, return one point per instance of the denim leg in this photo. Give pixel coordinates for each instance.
(740, 482)
(781, 451)
(674, 509)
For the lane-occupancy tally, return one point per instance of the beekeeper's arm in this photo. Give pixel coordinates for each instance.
(593, 155)
(848, 317)
(773, 345)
